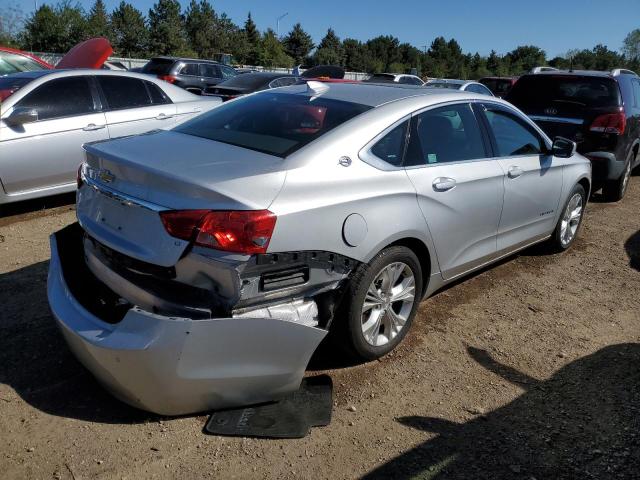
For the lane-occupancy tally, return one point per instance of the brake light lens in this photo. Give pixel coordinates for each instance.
(610, 123)
(167, 78)
(241, 231)
(6, 93)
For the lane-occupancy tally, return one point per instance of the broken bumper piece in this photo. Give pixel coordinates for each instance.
(174, 366)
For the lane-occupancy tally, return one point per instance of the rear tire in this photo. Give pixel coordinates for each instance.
(570, 221)
(614, 190)
(380, 303)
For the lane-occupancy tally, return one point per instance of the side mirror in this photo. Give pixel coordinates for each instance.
(563, 147)
(20, 116)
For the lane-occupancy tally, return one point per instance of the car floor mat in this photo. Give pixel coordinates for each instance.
(291, 417)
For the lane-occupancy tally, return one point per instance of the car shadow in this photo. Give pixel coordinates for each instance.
(37, 204)
(632, 247)
(36, 362)
(583, 422)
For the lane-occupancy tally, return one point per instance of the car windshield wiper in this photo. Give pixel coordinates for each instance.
(570, 101)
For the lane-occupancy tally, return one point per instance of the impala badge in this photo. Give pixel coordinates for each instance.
(551, 111)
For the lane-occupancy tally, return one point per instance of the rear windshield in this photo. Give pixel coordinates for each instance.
(499, 86)
(158, 66)
(10, 85)
(12, 63)
(382, 77)
(536, 91)
(273, 123)
(453, 86)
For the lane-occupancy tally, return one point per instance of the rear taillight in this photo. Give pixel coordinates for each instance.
(242, 231)
(79, 180)
(167, 78)
(6, 93)
(609, 123)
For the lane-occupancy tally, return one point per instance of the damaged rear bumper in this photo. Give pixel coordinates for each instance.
(172, 365)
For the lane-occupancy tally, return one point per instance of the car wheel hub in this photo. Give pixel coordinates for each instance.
(388, 304)
(571, 219)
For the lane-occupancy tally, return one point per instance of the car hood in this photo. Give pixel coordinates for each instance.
(91, 53)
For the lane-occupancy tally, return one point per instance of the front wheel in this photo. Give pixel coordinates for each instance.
(570, 220)
(381, 302)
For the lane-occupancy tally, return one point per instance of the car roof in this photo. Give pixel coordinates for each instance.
(376, 94)
(185, 59)
(564, 73)
(454, 81)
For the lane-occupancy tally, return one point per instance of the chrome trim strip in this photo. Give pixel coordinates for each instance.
(572, 121)
(123, 198)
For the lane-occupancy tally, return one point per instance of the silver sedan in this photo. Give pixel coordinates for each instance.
(210, 260)
(46, 116)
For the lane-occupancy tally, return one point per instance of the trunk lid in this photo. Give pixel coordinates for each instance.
(91, 53)
(128, 181)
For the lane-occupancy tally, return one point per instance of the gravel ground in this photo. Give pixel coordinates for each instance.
(530, 369)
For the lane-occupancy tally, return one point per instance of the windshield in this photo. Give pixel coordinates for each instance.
(13, 63)
(158, 66)
(273, 123)
(10, 85)
(499, 86)
(570, 91)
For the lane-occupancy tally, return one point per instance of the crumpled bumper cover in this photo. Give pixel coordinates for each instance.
(176, 366)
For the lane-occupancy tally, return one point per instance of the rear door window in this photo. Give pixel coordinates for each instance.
(124, 92)
(273, 123)
(61, 97)
(390, 148)
(513, 137)
(445, 134)
(158, 97)
(190, 69)
(208, 70)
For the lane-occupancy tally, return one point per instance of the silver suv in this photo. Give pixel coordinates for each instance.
(210, 260)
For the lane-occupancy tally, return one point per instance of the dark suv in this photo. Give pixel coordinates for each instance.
(600, 111)
(191, 74)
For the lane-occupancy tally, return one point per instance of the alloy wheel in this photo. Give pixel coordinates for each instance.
(571, 220)
(388, 303)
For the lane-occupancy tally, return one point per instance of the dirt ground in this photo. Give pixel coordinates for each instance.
(530, 369)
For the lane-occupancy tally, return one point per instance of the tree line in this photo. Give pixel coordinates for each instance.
(199, 31)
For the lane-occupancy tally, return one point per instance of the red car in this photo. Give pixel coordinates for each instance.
(89, 54)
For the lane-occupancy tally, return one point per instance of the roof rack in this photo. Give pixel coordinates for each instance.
(622, 71)
(543, 69)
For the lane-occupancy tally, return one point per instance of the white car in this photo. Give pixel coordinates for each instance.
(402, 78)
(46, 116)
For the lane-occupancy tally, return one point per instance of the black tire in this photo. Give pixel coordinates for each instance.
(350, 333)
(556, 243)
(614, 190)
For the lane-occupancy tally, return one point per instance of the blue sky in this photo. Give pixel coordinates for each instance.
(556, 26)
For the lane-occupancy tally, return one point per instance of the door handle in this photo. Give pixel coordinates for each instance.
(93, 126)
(514, 171)
(442, 184)
(163, 116)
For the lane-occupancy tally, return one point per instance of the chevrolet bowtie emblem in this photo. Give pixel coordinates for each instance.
(106, 176)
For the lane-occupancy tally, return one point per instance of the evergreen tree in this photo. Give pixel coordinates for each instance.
(128, 31)
(329, 51)
(631, 46)
(166, 29)
(200, 26)
(98, 20)
(272, 51)
(298, 44)
(55, 29)
(252, 36)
